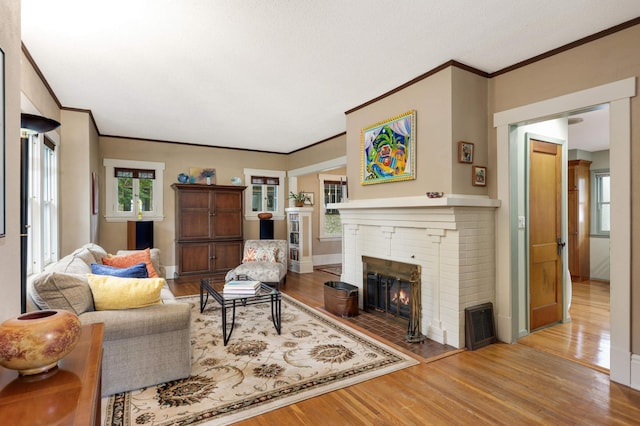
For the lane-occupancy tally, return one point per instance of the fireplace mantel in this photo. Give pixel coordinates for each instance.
(452, 200)
(451, 238)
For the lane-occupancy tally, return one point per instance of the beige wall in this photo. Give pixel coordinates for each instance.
(333, 148)
(469, 94)
(10, 243)
(78, 157)
(178, 158)
(451, 106)
(33, 87)
(602, 61)
(431, 98)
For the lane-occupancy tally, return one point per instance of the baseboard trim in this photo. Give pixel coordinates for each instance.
(635, 371)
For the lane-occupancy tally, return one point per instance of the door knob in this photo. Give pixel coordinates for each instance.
(561, 245)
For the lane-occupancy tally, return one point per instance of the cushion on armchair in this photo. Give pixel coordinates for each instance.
(260, 254)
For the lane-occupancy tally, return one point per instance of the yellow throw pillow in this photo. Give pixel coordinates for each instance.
(111, 293)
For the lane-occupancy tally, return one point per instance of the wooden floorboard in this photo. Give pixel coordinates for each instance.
(587, 337)
(498, 384)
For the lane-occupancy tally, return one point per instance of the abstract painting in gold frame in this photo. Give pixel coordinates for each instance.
(387, 150)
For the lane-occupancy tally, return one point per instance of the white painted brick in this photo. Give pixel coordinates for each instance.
(454, 246)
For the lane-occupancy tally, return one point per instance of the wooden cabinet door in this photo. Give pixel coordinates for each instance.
(227, 255)
(227, 215)
(194, 258)
(193, 211)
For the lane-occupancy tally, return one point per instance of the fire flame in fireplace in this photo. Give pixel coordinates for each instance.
(400, 296)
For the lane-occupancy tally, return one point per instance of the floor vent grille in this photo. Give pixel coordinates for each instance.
(479, 326)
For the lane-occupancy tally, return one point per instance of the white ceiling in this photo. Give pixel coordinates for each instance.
(276, 75)
(591, 134)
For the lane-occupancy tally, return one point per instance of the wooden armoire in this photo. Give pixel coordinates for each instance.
(208, 228)
(579, 211)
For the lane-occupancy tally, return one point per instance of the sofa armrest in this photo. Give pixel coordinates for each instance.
(130, 323)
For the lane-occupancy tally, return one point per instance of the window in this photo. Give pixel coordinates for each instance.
(331, 187)
(601, 205)
(133, 190)
(42, 204)
(265, 193)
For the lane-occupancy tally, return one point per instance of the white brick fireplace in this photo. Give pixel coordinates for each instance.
(451, 238)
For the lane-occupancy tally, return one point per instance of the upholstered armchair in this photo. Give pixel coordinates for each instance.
(263, 260)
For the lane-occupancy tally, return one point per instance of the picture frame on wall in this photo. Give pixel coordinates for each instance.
(308, 198)
(465, 152)
(479, 176)
(387, 150)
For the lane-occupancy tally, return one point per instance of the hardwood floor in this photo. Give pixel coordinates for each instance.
(498, 384)
(587, 338)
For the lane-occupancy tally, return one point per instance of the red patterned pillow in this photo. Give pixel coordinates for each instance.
(260, 254)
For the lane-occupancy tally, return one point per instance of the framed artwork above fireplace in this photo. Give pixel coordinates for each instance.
(387, 150)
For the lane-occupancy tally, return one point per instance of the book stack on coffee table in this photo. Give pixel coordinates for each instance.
(241, 288)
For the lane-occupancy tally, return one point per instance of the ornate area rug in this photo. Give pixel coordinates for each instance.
(335, 270)
(258, 370)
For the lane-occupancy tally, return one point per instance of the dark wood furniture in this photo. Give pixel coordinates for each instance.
(68, 394)
(214, 287)
(579, 226)
(209, 228)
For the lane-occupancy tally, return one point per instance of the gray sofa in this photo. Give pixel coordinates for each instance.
(141, 347)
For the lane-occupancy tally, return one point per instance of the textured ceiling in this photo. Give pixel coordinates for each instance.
(276, 75)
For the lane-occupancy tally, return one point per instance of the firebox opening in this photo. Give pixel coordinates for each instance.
(388, 295)
(393, 288)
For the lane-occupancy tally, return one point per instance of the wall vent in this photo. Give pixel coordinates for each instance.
(479, 326)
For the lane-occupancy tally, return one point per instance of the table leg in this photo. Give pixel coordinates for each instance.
(224, 322)
(203, 301)
(276, 312)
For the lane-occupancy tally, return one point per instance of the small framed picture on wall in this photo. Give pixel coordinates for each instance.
(465, 152)
(479, 176)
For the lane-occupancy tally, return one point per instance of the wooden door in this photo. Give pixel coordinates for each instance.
(545, 225)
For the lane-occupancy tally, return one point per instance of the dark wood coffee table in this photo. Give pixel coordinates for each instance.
(214, 287)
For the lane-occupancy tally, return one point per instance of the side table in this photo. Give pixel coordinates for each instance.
(69, 394)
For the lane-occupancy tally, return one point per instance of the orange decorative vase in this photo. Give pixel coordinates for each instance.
(34, 342)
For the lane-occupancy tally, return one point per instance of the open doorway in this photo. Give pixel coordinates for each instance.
(618, 95)
(585, 335)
